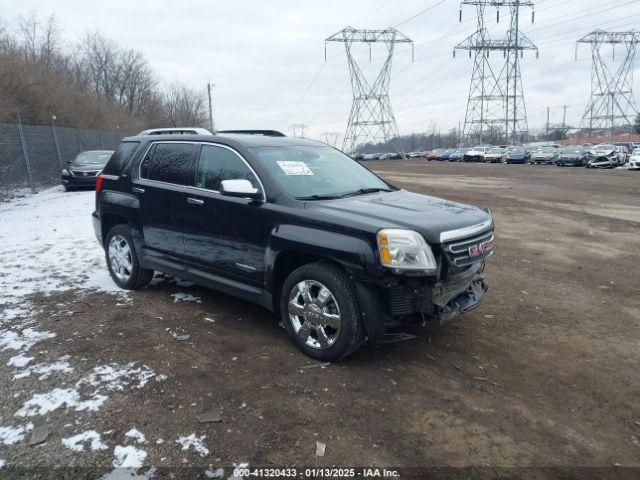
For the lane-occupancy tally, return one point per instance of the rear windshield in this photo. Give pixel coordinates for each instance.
(92, 158)
(120, 158)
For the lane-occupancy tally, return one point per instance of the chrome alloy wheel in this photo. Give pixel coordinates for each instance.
(314, 314)
(119, 254)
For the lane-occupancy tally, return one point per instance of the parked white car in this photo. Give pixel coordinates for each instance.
(634, 160)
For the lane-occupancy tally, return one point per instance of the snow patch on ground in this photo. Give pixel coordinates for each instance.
(19, 361)
(11, 435)
(46, 370)
(128, 457)
(217, 473)
(43, 403)
(137, 435)
(185, 297)
(111, 377)
(2, 463)
(77, 442)
(196, 442)
(116, 377)
(39, 252)
(22, 341)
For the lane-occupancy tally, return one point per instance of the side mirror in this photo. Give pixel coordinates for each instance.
(240, 189)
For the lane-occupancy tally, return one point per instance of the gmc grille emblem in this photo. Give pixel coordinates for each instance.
(480, 248)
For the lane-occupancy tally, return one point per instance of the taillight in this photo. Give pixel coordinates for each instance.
(99, 184)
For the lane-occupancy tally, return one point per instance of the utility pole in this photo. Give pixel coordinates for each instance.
(564, 116)
(496, 94)
(212, 127)
(371, 117)
(548, 111)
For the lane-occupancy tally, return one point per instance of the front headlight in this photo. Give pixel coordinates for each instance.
(66, 172)
(405, 250)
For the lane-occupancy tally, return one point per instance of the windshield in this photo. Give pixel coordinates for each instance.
(572, 150)
(92, 158)
(308, 171)
(518, 151)
(495, 150)
(603, 147)
(546, 150)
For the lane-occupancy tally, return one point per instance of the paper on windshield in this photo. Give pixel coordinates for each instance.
(294, 168)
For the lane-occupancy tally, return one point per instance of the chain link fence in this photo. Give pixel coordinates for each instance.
(33, 153)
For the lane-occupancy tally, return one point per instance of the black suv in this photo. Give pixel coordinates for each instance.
(294, 225)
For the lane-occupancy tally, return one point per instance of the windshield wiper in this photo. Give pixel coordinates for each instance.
(362, 191)
(325, 196)
(333, 196)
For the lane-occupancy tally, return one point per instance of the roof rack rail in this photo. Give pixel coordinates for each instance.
(176, 131)
(266, 133)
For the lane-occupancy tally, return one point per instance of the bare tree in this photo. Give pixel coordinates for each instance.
(184, 106)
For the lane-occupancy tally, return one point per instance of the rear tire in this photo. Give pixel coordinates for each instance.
(122, 259)
(320, 311)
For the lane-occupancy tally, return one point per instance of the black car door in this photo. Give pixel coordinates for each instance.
(164, 174)
(225, 235)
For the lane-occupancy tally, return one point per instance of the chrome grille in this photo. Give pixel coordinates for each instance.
(458, 252)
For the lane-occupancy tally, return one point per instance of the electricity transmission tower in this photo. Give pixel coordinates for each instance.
(612, 103)
(495, 107)
(331, 138)
(371, 117)
(297, 129)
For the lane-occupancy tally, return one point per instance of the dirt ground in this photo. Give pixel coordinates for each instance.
(544, 374)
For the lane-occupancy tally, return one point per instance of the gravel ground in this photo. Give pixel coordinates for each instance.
(177, 380)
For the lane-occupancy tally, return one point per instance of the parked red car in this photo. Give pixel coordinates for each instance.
(435, 154)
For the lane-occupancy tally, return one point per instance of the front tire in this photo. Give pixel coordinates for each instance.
(320, 310)
(122, 260)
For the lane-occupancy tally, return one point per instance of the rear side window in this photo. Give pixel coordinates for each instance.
(170, 163)
(120, 158)
(217, 164)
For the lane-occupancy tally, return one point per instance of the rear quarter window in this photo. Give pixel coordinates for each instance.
(120, 158)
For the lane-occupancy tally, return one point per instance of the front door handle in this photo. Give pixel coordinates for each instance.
(138, 189)
(195, 201)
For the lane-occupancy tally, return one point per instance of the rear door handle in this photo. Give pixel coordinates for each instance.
(195, 201)
(138, 189)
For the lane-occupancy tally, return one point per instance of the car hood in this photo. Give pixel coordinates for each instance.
(603, 153)
(542, 155)
(570, 155)
(430, 216)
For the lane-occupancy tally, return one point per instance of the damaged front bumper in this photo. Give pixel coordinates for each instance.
(440, 301)
(459, 295)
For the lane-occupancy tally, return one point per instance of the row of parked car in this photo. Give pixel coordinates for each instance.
(598, 156)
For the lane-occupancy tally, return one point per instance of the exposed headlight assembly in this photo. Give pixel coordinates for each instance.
(405, 250)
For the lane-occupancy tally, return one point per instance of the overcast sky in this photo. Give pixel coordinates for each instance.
(266, 58)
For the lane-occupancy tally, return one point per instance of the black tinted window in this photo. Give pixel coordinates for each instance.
(169, 162)
(217, 164)
(120, 158)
